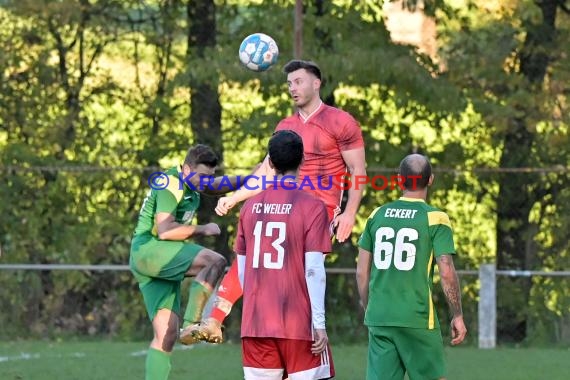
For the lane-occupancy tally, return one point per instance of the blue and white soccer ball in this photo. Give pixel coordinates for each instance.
(258, 52)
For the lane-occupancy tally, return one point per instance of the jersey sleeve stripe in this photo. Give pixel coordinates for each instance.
(431, 319)
(174, 187)
(374, 212)
(438, 217)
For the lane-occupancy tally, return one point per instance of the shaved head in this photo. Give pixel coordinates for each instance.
(416, 170)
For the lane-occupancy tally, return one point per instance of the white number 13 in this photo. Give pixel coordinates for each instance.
(267, 256)
(384, 250)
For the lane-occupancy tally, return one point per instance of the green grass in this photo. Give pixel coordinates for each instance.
(106, 360)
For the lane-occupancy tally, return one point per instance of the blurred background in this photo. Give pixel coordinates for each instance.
(97, 94)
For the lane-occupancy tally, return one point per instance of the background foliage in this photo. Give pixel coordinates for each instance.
(94, 94)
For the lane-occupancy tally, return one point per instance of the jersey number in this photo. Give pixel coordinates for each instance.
(275, 230)
(403, 252)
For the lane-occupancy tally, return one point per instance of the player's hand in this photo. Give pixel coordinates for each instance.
(458, 330)
(225, 204)
(343, 224)
(211, 229)
(321, 341)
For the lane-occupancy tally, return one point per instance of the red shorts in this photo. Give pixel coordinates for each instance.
(332, 214)
(272, 358)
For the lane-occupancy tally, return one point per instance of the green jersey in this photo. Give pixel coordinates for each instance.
(176, 199)
(404, 237)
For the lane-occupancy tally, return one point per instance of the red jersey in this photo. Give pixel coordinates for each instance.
(328, 132)
(276, 228)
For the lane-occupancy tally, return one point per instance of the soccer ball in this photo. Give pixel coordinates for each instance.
(258, 52)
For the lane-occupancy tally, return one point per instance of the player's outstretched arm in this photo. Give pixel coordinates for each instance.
(363, 275)
(355, 162)
(168, 229)
(253, 186)
(450, 284)
(221, 185)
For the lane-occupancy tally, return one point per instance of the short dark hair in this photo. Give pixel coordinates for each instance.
(201, 154)
(416, 170)
(298, 64)
(285, 151)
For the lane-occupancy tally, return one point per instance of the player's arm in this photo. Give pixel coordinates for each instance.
(253, 186)
(452, 292)
(316, 280)
(363, 275)
(221, 185)
(169, 229)
(355, 162)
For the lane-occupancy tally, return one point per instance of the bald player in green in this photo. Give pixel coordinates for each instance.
(398, 250)
(161, 255)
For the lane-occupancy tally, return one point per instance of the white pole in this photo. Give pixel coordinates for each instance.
(487, 306)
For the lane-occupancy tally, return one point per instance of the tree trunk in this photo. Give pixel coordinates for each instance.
(515, 235)
(206, 111)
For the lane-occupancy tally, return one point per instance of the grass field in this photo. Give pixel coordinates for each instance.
(106, 360)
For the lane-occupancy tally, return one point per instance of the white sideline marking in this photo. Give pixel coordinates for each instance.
(27, 356)
(178, 347)
(22, 356)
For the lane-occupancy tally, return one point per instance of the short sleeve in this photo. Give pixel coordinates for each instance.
(166, 202)
(441, 233)
(317, 230)
(351, 134)
(167, 199)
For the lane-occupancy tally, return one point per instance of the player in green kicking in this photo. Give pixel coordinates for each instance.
(394, 273)
(161, 258)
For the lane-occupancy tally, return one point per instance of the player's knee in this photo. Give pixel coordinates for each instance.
(169, 339)
(214, 258)
(210, 259)
(219, 261)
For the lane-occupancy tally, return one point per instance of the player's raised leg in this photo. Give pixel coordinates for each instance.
(229, 291)
(208, 267)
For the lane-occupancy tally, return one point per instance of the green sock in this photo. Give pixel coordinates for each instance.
(157, 364)
(199, 294)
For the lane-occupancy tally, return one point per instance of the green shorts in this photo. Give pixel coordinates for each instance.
(159, 266)
(392, 351)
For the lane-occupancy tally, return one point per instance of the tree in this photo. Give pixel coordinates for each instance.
(510, 66)
(206, 110)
